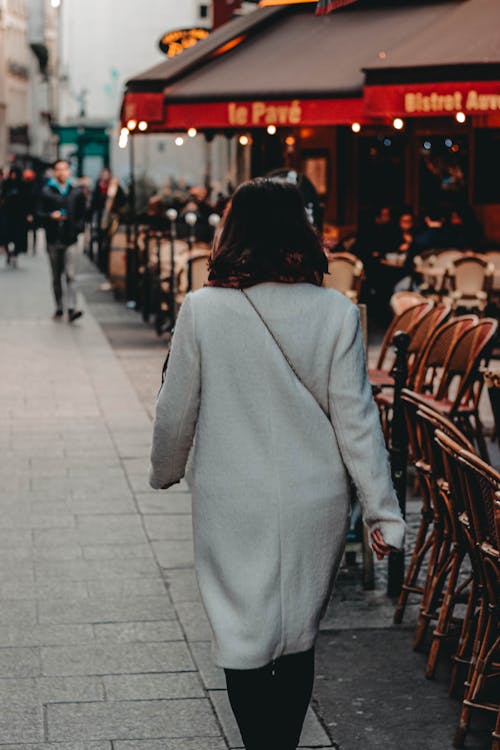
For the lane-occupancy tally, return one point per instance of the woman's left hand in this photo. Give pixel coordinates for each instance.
(379, 545)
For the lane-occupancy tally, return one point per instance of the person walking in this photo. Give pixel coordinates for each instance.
(61, 211)
(14, 212)
(267, 369)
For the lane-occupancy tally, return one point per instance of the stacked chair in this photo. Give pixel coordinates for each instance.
(445, 360)
(456, 559)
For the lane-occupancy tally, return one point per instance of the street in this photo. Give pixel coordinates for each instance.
(103, 640)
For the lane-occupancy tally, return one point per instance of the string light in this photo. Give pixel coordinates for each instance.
(398, 123)
(271, 129)
(131, 124)
(179, 141)
(460, 117)
(192, 132)
(355, 127)
(244, 140)
(290, 140)
(143, 125)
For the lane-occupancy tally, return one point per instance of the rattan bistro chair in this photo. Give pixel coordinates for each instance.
(419, 340)
(446, 545)
(457, 389)
(346, 274)
(380, 376)
(479, 485)
(470, 279)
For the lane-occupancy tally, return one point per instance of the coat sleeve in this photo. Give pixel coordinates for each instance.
(357, 427)
(177, 404)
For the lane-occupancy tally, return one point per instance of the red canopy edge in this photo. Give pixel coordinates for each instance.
(164, 116)
(432, 99)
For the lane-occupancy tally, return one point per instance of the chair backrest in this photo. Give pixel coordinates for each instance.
(480, 484)
(401, 301)
(464, 360)
(446, 506)
(470, 274)
(422, 332)
(199, 271)
(438, 258)
(405, 322)
(439, 348)
(345, 273)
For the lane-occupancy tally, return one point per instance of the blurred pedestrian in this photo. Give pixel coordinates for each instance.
(267, 367)
(61, 211)
(14, 212)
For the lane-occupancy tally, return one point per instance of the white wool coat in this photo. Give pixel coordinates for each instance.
(269, 476)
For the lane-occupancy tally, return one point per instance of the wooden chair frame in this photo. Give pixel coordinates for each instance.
(480, 485)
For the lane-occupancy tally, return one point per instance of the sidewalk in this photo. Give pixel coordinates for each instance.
(103, 641)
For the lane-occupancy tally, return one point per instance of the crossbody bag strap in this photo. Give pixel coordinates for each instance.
(290, 364)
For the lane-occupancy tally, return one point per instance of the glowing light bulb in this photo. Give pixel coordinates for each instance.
(143, 125)
(271, 129)
(132, 124)
(179, 141)
(398, 123)
(244, 140)
(460, 117)
(192, 132)
(355, 127)
(290, 140)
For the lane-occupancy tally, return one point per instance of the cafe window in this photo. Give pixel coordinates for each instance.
(487, 170)
(443, 161)
(381, 171)
(203, 10)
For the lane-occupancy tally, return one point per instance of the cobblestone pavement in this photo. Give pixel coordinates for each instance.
(103, 641)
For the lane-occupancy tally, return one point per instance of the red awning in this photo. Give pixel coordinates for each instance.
(433, 99)
(164, 116)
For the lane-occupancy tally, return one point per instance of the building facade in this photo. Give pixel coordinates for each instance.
(28, 81)
(103, 45)
(14, 81)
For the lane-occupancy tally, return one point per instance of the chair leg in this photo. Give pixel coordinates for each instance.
(439, 550)
(423, 543)
(445, 614)
(466, 638)
(476, 682)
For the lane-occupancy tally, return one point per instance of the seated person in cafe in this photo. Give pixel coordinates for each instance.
(392, 265)
(433, 236)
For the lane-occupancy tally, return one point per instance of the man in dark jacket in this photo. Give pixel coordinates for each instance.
(61, 211)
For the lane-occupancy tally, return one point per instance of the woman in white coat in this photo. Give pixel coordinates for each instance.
(267, 377)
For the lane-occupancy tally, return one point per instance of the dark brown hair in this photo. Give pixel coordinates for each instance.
(264, 225)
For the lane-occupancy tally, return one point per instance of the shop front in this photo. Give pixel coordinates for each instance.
(354, 100)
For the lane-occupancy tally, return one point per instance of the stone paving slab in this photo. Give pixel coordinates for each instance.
(129, 720)
(123, 658)
(153, 686)
(111, 609)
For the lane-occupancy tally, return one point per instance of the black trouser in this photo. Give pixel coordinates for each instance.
(270, 703)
